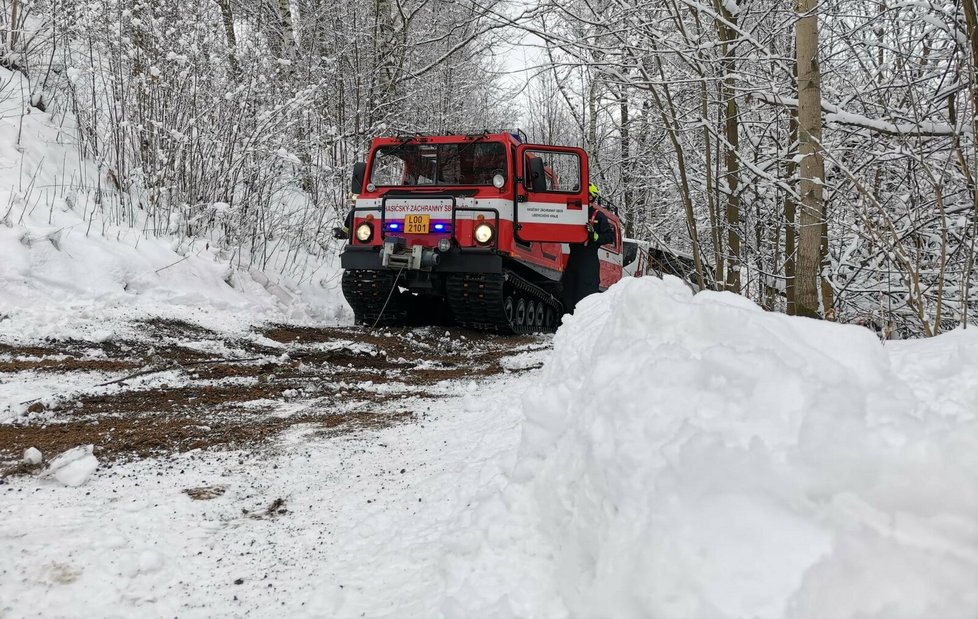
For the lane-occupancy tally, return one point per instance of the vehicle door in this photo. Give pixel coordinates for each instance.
(551, 200)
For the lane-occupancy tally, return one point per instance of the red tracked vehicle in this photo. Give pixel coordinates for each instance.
(467, 229)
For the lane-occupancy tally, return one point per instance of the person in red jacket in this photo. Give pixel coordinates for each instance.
(582, 275)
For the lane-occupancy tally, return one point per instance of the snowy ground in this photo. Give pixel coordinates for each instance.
(676, 456)
(312, 523)
(359, 532)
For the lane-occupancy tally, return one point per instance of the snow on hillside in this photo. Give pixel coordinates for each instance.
(60, 256)
(693, 456)
(677, 456)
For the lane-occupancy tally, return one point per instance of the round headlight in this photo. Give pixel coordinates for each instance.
(365, 232)
(444, 244)
(483, 233)
(498, 181)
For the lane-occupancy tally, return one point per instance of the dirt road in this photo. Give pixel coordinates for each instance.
(172, 387)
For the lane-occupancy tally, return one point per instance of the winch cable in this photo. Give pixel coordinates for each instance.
(389, 295)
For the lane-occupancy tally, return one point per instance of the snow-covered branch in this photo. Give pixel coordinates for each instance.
(835, 115)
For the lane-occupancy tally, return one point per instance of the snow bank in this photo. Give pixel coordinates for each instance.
(60, 256)
(694, 456)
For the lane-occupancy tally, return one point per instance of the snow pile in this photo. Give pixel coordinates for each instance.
(693, 456)
(33, 456)
(73, 467)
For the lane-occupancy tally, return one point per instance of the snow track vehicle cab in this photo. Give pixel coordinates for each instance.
(469, 230)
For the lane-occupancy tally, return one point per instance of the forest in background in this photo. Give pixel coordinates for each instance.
(238, 121)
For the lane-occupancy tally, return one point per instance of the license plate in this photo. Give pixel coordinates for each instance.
(416, 224)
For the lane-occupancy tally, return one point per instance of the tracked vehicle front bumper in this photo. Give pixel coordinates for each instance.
(455, 260)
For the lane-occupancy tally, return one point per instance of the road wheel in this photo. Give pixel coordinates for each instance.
(548, 319)
(521, 312)
(541, 310)
(509, 308)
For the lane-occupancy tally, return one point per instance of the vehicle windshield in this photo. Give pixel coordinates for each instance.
(468, 163)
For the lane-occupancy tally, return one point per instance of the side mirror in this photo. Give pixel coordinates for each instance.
(536, 177)
(359, 172)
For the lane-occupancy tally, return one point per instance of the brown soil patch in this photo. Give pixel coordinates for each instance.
(67, 365)
(226, 401)
(286, 334)
(168, 327)
(205, 493)
(170, 399)
(25, 351)
(232, 370)
(122, 438)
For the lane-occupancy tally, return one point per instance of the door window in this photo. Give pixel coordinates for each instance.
(552, 172)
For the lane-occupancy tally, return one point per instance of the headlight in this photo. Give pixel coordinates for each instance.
(483, 233)
(365, 232)
(498, 181)
(444, 244)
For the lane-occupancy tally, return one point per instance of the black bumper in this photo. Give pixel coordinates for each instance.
(453, 261)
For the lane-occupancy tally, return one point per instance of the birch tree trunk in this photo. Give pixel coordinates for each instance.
(285, 26)
(812, 167)
(14, 18)
(227, 17)
(591, 143)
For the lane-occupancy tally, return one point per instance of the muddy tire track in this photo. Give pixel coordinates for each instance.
(176, 386)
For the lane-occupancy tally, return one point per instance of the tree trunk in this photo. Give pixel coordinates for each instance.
(732, 136)
(812, 167)
(626, 178)
(286, 29)
(971, 21)
(824, 269)
(711, 207)
(14, 17)
(669, 114)
(791, 214)
(232, 40)
(591, 144)
(383, 78)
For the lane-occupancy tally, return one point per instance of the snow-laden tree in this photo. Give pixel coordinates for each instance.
(239, 120)
(709, 148)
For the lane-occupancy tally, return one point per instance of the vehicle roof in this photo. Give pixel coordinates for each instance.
(507, 138)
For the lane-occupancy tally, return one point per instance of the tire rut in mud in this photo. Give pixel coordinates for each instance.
(173, 387)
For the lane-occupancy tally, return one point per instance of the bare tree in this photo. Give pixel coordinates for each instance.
(811, 168)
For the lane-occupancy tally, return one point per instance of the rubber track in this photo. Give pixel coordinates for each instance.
(367, 292)
(477, 300)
